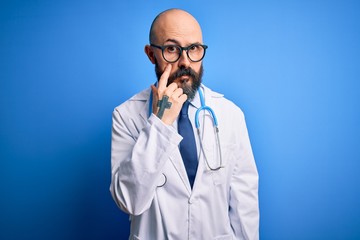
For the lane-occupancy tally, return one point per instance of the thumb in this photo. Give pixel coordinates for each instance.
(153, 89)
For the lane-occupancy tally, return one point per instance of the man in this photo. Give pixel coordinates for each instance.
(175, 184)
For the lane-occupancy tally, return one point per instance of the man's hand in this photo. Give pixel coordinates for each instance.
(167, 100)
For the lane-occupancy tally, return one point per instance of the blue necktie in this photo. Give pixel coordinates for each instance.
(187, 145)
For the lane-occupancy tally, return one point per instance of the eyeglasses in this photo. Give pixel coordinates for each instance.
(172, 53)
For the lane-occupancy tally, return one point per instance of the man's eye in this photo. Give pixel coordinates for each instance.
(194, 48)
(172, 49)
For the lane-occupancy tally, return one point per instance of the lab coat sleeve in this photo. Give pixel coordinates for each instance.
(136, 161)
(244, 209)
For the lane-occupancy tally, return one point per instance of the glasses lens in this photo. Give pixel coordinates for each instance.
(196, 52)
(171, 53)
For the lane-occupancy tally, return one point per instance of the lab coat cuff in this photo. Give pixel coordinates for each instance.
(169, 132)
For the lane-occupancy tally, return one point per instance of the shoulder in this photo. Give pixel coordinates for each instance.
(135, 103)
(221, 103)
(131, 114)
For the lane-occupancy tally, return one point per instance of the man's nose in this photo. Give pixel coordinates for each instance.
(184, 60)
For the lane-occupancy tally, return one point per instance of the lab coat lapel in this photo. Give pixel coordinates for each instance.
(143, 96)
(177, 162)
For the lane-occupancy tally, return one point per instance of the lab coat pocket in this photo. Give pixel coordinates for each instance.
(135, 238)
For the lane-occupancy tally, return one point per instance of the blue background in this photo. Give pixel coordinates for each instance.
(292, 66)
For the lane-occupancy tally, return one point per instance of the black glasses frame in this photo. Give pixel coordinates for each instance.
(181, 50)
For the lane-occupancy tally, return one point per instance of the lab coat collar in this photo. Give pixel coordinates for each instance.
(143, 96)
(206, 92)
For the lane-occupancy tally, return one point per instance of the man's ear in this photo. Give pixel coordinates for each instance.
(150, 53)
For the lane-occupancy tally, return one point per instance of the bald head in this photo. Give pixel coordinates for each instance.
(174, 23)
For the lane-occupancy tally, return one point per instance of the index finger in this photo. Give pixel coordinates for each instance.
(164, 78)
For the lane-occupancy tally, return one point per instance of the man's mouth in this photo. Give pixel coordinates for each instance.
(184, 79)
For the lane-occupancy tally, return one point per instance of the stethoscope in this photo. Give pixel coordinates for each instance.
(203, 107)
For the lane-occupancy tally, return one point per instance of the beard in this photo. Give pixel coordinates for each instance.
(188, 89)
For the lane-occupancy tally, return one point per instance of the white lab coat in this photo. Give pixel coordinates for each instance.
(149, 180)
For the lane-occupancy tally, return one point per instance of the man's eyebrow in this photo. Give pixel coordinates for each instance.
(178, 43)
(173, 40)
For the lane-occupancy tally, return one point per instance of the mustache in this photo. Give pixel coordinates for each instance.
(182, 72)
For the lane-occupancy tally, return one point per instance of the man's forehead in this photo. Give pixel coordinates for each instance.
(180, 36)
